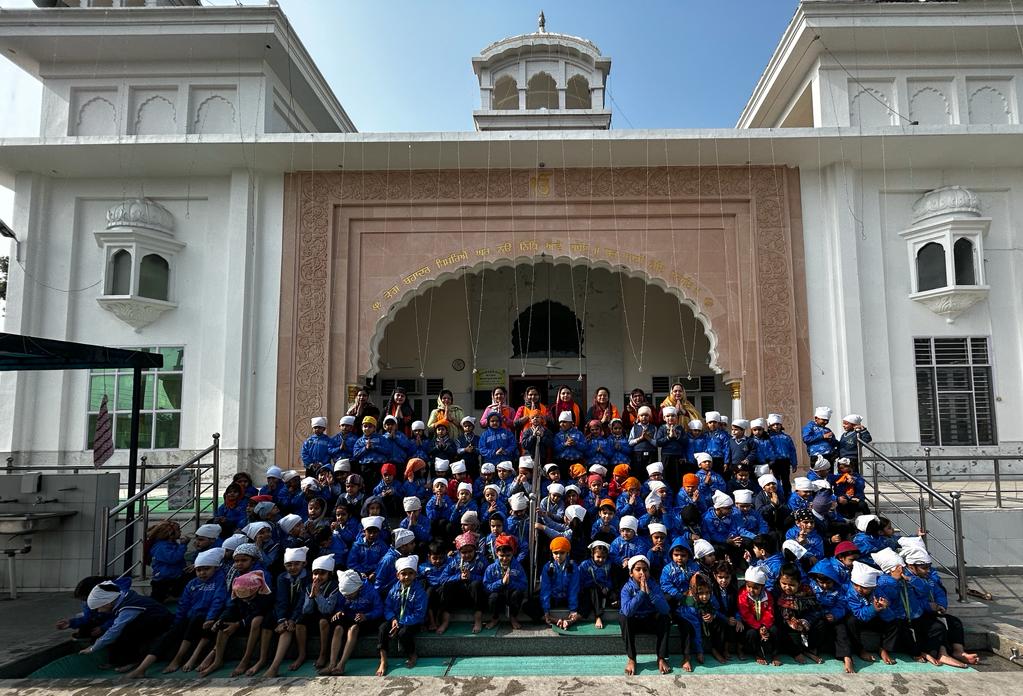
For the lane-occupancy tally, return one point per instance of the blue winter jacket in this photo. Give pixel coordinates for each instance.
(561, 584)
(494, 574)
(168, 559)
(290, 596)
(497, 439)
(575, 452)
(369, 456)
(717, 443)
(595, 575)
(785, 448)
(363, 558)
(816, 443)
(365, 602)
(408, 606)
(718, 531)
(316, 449)
(677, 446)
(636, 604)
(204, 598)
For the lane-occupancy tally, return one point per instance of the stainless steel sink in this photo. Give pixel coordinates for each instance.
(28, 522)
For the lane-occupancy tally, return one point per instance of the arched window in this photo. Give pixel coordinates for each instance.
(154, 277)
(930, 267)
(120, 273)
(506, 94)
(547, 329)
(962, 260)
(542, 92)
(577, 96)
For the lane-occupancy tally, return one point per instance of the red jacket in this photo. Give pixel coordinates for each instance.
(748, 609)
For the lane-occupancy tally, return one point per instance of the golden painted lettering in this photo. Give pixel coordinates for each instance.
(504, 248)
(528, 245)
(553, 245)
(540, 184)
(391, 292)
(452, 258)
(483, 251)
(578, 247)
(376, 306)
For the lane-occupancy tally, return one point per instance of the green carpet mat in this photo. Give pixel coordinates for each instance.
(87, 667)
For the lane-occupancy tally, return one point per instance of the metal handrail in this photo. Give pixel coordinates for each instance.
(953, 503)
(107, 520)
(163, 479)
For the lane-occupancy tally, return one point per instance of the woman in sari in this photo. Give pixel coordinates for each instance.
(446, 412)
(677, 397)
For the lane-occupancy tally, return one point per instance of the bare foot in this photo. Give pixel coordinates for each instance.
(326, 670)
(382, 668)
(761, 661)
(299, 661)
(868, 657)
(411, 660)
(492, 623)
(699, 658)
(630, 666)
(140, 674)
(927, 658)
(968, 658)
(205, 671)
(254, 669)
(240, 669)
(952, 662)
(171, 668)
(776, 662)
(442, 627)
(270, 673)
(477, 625)
(515, 623)
(321, 662)
(124, 669)
(718, 656)
(817, 659)
(887, 659)
(663, 666)
(800, 660)
(849, 667)
(599, 623)
(338, 671)
(687, 666)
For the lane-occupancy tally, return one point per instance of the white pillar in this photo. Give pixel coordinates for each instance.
(736, 386)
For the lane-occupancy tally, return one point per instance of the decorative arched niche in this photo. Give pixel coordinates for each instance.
(946, 251)
(139, 249)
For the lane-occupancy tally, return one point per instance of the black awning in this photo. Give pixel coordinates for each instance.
(31, 353)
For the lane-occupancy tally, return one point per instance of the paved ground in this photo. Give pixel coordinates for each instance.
(28, 624)
(848, 685)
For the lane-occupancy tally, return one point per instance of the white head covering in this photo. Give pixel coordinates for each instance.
(696, 424)
(702, 547)
(797, 549)
(821, 484)
(853, 419)
(565, 417)
(723, 419)
(375, 521)
(347, 420)
(887, 559)
(628, 522)
(253, 528)
(492, 487)
(822, 412)
(418, 425)
(348, 581)
(911, 542)
(636, 559)
(506, 465)
(441, 464)
(577, 512)
(102, 594)
(407, 563)
(656, 485)
(598, 543)
(766, 479)
(669, 411)
(761, 469)
(296, 554)
(518, 501)
(743, 495)
(465, 486)
(756, 574)
(289, 474)
(402, 536)
(470, 517)
(703, 457)
(209, 557)
(324, 563)
(916, 556)
(289, 522)
(210, 531)
(234, 541)
(488, 468)
(657, 527)
(556, 489)
(467, 419)
(863, 575)
(598, 469)
(458, 467)
(712, 417)
(525, 462)
(722, 500)
(740, 423)
(343, 465)
(655, 468)
(309, 484)
(652, 500)
(821, 464)
(774, 418)
(441, 481)
(391, 418)
(572, 487)
(411, 503)
(862, 521)
(644, 409)
(274, 472)
(802, 483)
(758, 423)
(318, 422)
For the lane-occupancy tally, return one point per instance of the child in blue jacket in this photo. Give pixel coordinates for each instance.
(358, 605)
(167, 559)
(505, 582)
(559, 584)
(293, 586)
(643, 609)
(404, 613)
(595, 586)
(785, 461)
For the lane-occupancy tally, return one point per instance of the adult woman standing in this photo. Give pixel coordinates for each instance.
(499, 405)
(637, 400)
(446, 412)
(677, 397)
(362, 407)
(398, 406)
(566, 402)
(602, 410)
(532, 406)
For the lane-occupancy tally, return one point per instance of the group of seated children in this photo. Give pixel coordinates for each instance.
(733, 562)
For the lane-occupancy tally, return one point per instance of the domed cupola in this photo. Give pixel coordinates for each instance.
(542, 81)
